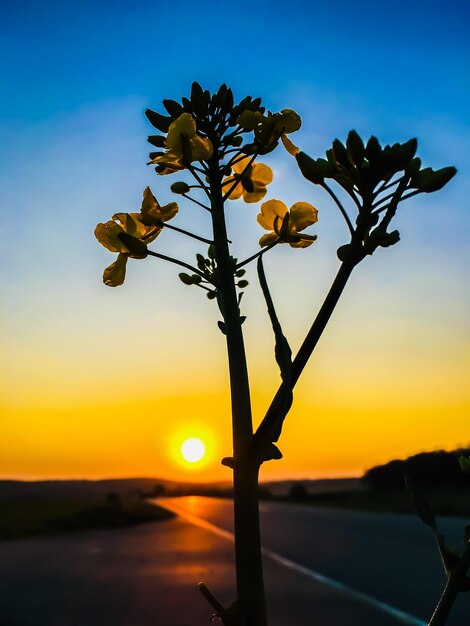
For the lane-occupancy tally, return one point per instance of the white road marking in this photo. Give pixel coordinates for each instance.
(404, 618)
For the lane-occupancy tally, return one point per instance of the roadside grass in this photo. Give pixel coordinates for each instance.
(27, 517)
(443, 501)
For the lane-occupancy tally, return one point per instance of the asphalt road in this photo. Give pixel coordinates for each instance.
(390, 557)
(147, 575)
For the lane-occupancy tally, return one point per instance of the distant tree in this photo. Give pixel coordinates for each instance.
(298, 491)
(428, 469)
(113, 499)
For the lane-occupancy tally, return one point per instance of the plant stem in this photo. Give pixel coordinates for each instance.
(249, 572)
(188, 234)
(446, 602)
(455, 581)
(270, 428)
(256, 255)
(189, 267)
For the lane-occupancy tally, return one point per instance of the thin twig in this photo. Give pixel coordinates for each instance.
(189, 267)
(188, 234)
(255, 256)
(196, 202)
(340, 207)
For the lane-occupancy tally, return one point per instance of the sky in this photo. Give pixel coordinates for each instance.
(99, 382)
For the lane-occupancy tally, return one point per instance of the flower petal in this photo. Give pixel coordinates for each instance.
(107, 235)
(149, 202)
(268, 239)
(201, 148)
(169, 211)
(261, 173)
(249, 120)
(240, 165)
(114, 274)
(302, 214)
(289, 120)
(256, 195)
(303, 242)
(289, 146)
(269, 211)
(183, 125)
(237, 191)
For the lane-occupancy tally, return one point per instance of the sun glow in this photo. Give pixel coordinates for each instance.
(193, 450)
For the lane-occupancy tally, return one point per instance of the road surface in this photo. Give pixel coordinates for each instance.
(390, 557)
(146, 575)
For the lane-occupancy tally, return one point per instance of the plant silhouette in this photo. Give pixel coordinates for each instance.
(216, 144)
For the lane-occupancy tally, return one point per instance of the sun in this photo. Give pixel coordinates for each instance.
(193, 449)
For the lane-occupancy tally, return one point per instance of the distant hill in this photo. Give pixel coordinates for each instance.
(99, 489)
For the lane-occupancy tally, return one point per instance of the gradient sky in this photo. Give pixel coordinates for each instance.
(102, 382)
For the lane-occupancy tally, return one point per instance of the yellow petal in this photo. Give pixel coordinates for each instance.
(302, 214)
(289, 146)
(201, 148)
(302, 242)
(250, 119)
(107, 235)
(267, 240)
(270, 210)
(236, 192)
(114, 274)
(256, 195)
(289, 120)
(183, 125)
(261, 173)
(171, 160)
(169, 211)
(149, 202)
(240, 165)
(133, 225)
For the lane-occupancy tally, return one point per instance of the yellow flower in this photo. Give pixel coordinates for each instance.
(129, 224)
(183, 144)
(252, 185)
(152, 214)
(271, 127)
(287, 224)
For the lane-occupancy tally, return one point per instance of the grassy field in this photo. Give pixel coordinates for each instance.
(26, 517)
(454, 502)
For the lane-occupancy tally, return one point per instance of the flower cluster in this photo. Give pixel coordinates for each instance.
(377, 179)
(183, 146)
(217, 142)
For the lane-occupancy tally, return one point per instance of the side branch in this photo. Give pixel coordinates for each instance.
(270, 428)
(189, 267)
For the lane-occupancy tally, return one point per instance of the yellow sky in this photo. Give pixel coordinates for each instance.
(118, 399)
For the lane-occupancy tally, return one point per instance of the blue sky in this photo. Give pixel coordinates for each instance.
(76, 78)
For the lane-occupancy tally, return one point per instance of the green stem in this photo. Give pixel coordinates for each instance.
(249, 572)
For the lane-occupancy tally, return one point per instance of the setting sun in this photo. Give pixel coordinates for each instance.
(193, 450)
